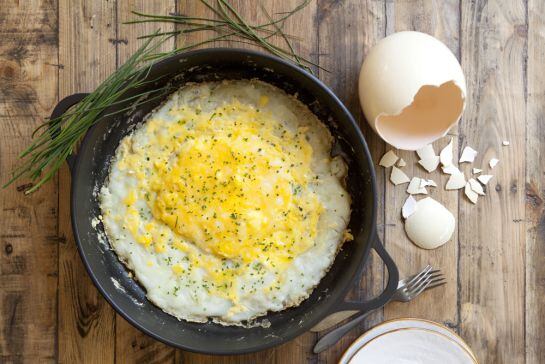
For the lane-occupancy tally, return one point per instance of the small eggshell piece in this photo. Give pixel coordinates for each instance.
(456, 181)
(493, 162)
(485, 178)
(505, 142)
(446, 154)
(450, 170)
(429, 164)
(409, 207)
(429, 235)
(471, 195)
(427, 182)
(468, 155)
(414, 187)
(477, 170)
(401, 162)
(426, 152)
(476, 186)
(388, 159)
(397, 176)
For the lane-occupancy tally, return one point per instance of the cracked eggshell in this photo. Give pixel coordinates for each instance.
(426, 152)
(415, 187)
(493, 162)
(429, 164)
(468, 155)
(471, 195)
(409, 207)
(388, 159)
(446, 155)
(412, 89)
(485, 178)
(456, 181)
(430, 235)
(476, 186)
(397, 176)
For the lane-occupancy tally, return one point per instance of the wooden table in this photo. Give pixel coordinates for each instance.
(495, 264)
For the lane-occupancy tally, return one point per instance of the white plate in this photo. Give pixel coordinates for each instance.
(402, 324)
(412, 346)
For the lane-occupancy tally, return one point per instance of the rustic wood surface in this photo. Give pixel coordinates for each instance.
(495, 264)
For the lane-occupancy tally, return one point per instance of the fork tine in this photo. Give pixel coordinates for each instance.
(417, 282)
(436, 284)
(420, 288)
(436, 276)
(426, 284)
(416, 277)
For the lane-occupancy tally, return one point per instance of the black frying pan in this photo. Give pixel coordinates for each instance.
(90, 168)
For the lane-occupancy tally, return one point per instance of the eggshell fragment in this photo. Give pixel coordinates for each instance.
(431, 225)
(427, 182)
(476, 186)
(456, 181)
(450, 169)
(468, 155)
(414, 187)
(401, 162)
(409, 207)
(485, 178)
(505, 142)
(412, 89)
(477, 170)
(493, 162)
(388, 159)
(429, 164)
(426, 152)
(446, 154)
(471, 195)
(397, 176)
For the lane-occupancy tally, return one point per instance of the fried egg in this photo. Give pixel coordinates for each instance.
(226, 203)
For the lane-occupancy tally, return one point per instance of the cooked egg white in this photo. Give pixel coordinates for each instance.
(226, 203)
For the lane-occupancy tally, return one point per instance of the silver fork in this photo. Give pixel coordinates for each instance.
(407, 289)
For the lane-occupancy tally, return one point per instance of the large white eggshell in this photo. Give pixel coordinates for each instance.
(431, 225)
(414, 76)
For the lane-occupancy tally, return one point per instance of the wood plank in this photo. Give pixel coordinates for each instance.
(440, 19)
(491, 234)
(133, 346)
(346, 31)
(28, 224)
(87, 36)
(535, 185)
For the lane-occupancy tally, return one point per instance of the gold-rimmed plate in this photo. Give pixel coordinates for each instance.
(404, 323)
(412, 345)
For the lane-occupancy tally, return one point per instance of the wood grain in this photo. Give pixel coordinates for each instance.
(535, 185)
(492, 242)
(440, 19)
(28, 224)
(87, 34)
(346, 31)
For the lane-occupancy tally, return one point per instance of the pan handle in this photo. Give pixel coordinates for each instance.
(349, 308)
(58, 111)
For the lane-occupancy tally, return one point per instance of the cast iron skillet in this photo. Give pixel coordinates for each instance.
(90, 168)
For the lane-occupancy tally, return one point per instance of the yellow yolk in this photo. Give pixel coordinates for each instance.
(233, 182)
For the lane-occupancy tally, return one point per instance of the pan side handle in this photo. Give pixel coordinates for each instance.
(60, 109)
(349, 308)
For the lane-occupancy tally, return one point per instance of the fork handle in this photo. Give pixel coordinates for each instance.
(333, 336)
